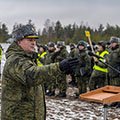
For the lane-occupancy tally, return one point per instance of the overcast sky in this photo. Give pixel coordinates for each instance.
(91, 12)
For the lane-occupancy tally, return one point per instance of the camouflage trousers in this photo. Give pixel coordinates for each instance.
(97, 79)
(115, 81)
(82, 84)
(61, 83)
(50, 85)
(58, 81)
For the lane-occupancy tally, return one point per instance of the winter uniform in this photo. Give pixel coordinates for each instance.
(22, 80)
(61, 79)
(50, 86)
(114, 61)
(22, 92)
(41, 55)
(73, 51)
(50, 52)
(41, 59)
(84, 68)
(100, 72)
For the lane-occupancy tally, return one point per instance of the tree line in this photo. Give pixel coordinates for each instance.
(71, 33)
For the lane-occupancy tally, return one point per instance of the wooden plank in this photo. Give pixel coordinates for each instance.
(107, 94)
(93, 92)
(112, 99)
(113, 89)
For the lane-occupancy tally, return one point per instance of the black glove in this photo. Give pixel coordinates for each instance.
(69, 65)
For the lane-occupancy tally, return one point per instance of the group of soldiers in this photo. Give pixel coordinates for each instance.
(91, 73)
(50, 54)
(26, 71)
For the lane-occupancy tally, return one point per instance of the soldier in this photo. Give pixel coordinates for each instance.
(114, 61)
(22, 81)
(50, 52)
(83, 69)
(72, 50)
(72, 54)
(60, 54)
(41, 55)
(99, 75)
(51, 85)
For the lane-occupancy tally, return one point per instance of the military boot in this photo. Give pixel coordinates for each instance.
(62, 94)
(51, 93)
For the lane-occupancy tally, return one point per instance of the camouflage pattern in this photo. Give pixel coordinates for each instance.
(22, 81)
(114, 60)
(50, 86)
(62, 54)
(41, 59)
(61, 79)
(99, 78)
(83, 70)
(73, 53)
(48, 58)
(23, 31)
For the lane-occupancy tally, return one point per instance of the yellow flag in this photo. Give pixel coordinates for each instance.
(87, 33)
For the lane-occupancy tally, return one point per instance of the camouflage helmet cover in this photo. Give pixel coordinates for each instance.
(41, 46)
(102, 43)
(24, 31)
(82, 42)
(60, 44)
(114, 40)
(51, 44)
(72, 45)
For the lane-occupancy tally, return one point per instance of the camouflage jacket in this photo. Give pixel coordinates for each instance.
(84, 67)
(22, 81)
(72, 53)
(48, 58)
(113, 59)
(62, 54)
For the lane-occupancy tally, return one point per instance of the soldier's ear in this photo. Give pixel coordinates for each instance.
(18, 41)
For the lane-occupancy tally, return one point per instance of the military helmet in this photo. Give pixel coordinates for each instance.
(72, 45)
(24, 31)
(60, 44)
(51, 44)
(102, 43)
(43, 46)
(114, 40)
(82, 42)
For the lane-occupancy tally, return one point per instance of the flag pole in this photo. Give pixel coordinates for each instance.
(87, 33)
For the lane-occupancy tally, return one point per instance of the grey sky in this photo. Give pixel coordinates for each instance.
(91, 12)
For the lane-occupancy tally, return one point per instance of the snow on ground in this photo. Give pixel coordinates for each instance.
(67, 109)
(74, 109)
(4, 46)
